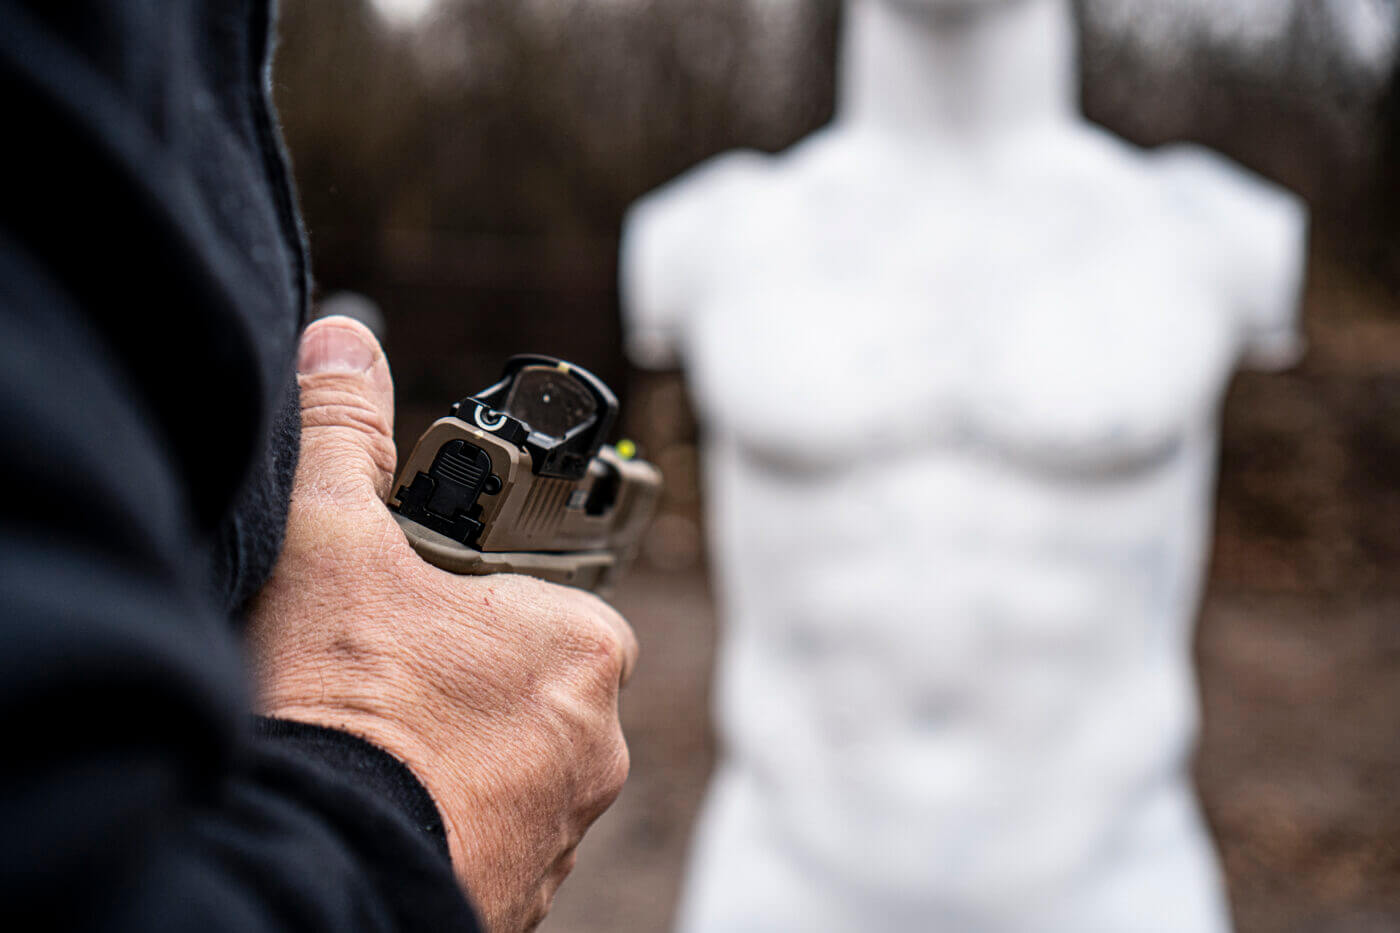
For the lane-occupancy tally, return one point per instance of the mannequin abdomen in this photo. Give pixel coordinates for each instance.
(950, 677)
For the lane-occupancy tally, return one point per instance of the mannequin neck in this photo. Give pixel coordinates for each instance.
(957, 76)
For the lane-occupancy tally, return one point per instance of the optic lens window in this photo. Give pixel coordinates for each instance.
(550, 400)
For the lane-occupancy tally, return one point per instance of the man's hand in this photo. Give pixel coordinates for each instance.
(500, 693)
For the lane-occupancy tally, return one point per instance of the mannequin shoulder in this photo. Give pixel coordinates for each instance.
(1250, 233)
(1188, 182)
(1210, 188)
(1238, 222)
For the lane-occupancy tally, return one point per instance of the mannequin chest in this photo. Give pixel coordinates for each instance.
(1047, 322)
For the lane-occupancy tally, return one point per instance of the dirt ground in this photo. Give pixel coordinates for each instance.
(630, 865)
(1300, 762)
(1298, 651)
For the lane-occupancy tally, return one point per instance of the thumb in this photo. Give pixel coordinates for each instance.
(347, 408)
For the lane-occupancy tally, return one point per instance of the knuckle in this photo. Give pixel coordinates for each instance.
(603, 646)
(613, 767)
(604, 634)
(630, 644)
(619, 767)
(606, 767)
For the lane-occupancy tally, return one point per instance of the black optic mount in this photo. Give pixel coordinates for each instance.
(558, 412)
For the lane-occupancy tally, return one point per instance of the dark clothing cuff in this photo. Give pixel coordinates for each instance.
(366, 765)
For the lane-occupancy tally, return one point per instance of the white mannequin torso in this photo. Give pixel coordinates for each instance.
(961, 397)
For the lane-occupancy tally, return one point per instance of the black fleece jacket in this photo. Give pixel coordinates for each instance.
(153, 284)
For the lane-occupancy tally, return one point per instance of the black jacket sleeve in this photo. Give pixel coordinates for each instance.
(138, 796)
(150, 291)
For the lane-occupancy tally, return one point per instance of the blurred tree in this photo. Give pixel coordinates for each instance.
(1295, 89)
(469, 170)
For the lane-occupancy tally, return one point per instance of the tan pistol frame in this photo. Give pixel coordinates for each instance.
(541, 526)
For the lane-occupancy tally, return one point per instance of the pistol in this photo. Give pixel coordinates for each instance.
(518, 479)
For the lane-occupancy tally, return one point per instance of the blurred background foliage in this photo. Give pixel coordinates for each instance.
(468, 169)
(469, 172)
